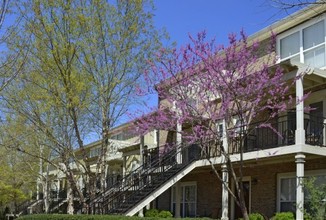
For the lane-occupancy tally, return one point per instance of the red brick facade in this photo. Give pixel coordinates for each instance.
(263, 189)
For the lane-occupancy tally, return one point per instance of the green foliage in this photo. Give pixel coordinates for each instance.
(315, 204)
(165, 214)
(16, 178)
(283, 216)
(152, 213)
(158, 214)
(256, 216)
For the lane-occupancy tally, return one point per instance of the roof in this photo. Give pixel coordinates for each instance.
(277, 28)
(132, 147)
(290, 21)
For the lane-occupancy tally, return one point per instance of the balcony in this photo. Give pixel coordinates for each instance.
(279, 133)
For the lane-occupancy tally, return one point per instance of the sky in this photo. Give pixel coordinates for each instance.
(217, 17)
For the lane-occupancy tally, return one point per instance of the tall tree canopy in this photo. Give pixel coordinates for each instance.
(85, 59)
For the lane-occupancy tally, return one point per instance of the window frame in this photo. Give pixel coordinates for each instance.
(289, 175)
(182, 186)
(300, 29)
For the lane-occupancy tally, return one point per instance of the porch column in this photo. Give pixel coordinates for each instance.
(141, 150)
(58, 188)
(141, 213)
(225, 193)
(225, 177)
(124, 166)
(299, 132)
(179, 142)
(177, 201)
(299, 160)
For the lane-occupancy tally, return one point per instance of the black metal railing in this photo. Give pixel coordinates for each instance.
(315, 130)
(158, 167)
(140, 183)
(259, 135)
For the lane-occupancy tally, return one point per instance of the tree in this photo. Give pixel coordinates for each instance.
(10, 63)
(216, 93)
(120, 39)
(84, 61)
(295, 4)
(17, 179)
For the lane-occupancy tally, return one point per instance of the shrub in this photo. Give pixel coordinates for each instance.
(256, 216)
(165, 214)
(283, 216)
(314, 205)
(152, 213)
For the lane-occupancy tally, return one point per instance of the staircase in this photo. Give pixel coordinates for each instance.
(136, 190)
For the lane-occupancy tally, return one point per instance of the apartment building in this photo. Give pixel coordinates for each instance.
(274, 163)
(143, 172)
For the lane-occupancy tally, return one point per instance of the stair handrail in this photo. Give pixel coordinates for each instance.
(168, 160)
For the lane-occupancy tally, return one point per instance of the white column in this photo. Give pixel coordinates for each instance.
(40, 175)
(179, 142)
(58, 188)
(177, 200)
(124, 166)
(141, 149)
(299, 132)
(141, 213)
(225, 193)
(299, 160)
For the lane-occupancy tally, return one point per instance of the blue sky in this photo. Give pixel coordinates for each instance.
(217, 17)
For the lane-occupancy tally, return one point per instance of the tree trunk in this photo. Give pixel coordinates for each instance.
(46, 191)
(70, 201)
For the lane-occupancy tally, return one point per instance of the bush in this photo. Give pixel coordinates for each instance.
(256, 216)
(283, 216)
(152, 213)
(165, 214)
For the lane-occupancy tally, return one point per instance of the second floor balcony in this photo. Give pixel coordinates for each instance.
(280, 132)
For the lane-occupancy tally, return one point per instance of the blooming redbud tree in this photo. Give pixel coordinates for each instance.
(216, 93)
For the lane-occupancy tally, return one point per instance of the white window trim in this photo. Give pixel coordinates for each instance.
(180, 185)
(298, 28)
(281, 176)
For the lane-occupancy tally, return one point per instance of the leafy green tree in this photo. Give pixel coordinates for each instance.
(17, 178)
(315, 199)
(85, 61)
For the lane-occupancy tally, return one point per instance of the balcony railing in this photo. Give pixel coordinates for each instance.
(278, 133)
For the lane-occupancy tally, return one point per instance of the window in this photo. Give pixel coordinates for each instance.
(220, 129)
(94, 152)
(188, 198)
(290, 45)
(306, 44)
(288, 194)
(287, 189)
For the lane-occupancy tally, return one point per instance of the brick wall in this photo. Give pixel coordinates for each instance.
(263, 192)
